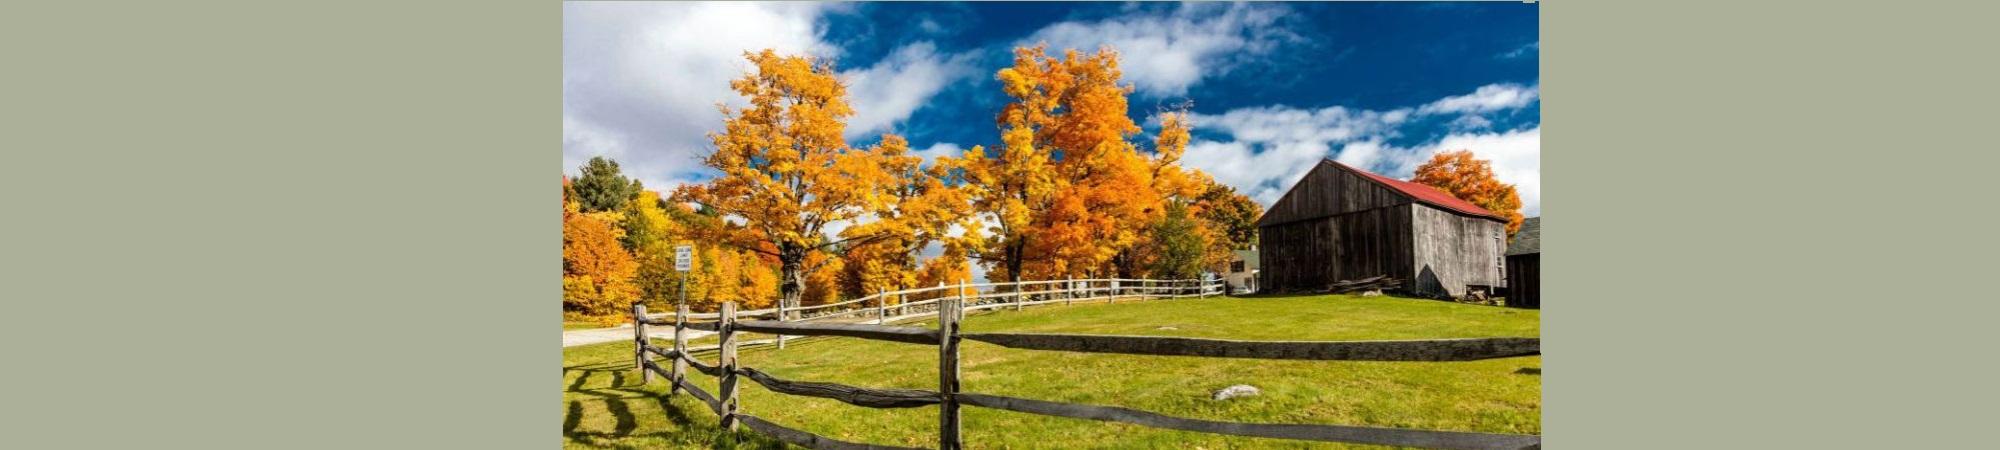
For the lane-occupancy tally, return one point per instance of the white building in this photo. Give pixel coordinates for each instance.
(1242, 274)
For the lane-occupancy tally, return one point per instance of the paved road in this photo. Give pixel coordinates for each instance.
(572, 338)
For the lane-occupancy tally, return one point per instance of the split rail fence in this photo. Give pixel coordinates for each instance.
(950, 307)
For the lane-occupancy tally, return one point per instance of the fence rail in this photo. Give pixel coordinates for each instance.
(950, 310)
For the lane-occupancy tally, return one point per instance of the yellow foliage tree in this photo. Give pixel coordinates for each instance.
(786, 167)
(597, 273)
(925, 204)
(1067, 191)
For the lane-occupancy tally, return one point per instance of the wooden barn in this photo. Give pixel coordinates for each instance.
(1524, 266)
(1342, 223)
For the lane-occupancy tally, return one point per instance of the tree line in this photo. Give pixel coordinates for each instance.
(1071, 191)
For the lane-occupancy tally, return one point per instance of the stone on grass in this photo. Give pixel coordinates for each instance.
(1241, 390)
(1371, 293)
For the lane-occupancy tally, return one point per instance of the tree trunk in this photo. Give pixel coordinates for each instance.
(1013, 259)
(791, 282)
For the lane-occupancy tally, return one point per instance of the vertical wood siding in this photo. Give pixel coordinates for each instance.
(1310, 254)
(1326, 191)
(1453, 251)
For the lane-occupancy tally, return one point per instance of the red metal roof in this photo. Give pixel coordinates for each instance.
(1425, 194)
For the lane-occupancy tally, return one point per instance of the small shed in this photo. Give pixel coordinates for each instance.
(1343, 223)
(1524, 266)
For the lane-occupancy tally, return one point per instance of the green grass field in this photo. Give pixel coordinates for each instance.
(606, 407)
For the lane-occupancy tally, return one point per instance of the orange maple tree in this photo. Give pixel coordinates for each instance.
(787, 170)
(1067, 192)
(1471, 179)
(597, 273)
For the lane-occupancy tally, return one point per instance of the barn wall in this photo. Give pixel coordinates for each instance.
(1524, 281)
(1328, 191)
(1308, 255)
(1452, 251)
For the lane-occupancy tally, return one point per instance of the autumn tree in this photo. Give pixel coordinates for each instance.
(1231, 213)
(653, 228)
(1067, 192)
(925, 204)
(597, 273)
(786, 169)
(1472, 179)
(601, 187)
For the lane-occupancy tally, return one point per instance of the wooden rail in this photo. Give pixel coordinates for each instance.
(950, 310)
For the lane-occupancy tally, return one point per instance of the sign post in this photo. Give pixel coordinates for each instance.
(683, 260)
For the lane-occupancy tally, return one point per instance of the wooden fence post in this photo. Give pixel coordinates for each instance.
(1069, 291)
(782, 315)
(881, 306)
(680, 349)
(639, 357)
(1020, 295)
(948, 429)
(727, 331)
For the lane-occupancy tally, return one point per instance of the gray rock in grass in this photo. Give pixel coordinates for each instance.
(1241, 390)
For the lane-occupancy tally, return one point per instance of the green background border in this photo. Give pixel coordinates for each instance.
(332, 225)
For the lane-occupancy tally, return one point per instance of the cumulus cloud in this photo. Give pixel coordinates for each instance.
(1267, 149)
(1165, 53)
(641, 81)
(898, 85)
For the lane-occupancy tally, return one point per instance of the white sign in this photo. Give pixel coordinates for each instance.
(683, 257)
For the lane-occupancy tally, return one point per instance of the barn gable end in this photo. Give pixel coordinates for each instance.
(1330, 189)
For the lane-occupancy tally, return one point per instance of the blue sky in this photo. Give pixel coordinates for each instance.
(1275, 86)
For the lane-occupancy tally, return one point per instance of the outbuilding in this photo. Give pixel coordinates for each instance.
(1343, 223)
(1524, 266)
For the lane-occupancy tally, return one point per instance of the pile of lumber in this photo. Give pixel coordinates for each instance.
(1374, 283)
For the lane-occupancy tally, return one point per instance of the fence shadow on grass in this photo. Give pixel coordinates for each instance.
(621, 396)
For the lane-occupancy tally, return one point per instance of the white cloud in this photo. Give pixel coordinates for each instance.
(1269, 148)
(1533, 48)
(1488, 98)
(641, 81)
(939, 149)
(1164, 54)
(1272, 147)
(896, 86)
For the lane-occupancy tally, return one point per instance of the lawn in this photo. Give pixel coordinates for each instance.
(606, 407)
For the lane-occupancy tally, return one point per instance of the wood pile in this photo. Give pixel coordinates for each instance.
(1374, 283)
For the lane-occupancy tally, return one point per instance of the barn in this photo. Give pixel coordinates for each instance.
(1524, 266)
(1343, 223)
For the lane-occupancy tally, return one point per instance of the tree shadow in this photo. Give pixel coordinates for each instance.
(1529, 371)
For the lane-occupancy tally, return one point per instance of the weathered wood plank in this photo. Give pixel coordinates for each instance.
(698, 366)
(949, 314)
(805, 439)
(1328, 433)
(858, 396)
(713, 404)
(913, 335)
(730, 405)
(1423, 350)
(704, 326)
